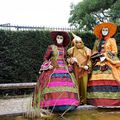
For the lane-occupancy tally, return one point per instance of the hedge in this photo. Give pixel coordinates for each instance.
(21, 53)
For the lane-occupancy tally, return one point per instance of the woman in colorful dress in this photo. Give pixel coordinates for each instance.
(79, 57)
(104, 84)
(56, 88)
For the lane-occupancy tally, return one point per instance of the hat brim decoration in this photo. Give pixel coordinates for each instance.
(65, 35)
(111, 26)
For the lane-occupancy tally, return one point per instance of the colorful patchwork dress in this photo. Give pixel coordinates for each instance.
(56, 89)
(104, 85)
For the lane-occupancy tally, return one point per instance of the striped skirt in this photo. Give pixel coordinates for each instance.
(103, 88)
(56, 90)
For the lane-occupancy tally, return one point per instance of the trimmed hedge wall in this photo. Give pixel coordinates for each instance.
(21, 53)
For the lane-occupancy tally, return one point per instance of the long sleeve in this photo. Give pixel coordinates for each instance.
(88, 51)
(48, 53)
(113, 46)
(70, 52)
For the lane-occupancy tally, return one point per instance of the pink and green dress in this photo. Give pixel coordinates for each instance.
(56, 89)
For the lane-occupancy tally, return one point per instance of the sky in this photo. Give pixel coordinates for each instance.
(48, 13)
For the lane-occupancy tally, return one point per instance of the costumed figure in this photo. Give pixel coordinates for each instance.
(104, 84)
(79, 56)
(56, 88)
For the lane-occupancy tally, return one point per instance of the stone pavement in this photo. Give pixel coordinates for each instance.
(21, 105)
(14, 105)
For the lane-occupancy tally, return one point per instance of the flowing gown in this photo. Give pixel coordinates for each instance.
(104, 85)
(56, 89)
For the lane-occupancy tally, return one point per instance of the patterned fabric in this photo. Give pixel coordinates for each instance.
(56, 87)
(104, 84)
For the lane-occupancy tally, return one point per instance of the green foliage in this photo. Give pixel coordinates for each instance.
(21, 54)
(86, 14)
(115, 12)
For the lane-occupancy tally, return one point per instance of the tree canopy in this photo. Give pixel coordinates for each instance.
(88, 13)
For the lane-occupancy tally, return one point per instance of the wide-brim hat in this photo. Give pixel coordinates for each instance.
(65, 35)
(111, 26)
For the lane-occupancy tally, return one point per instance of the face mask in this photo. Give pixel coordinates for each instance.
(59, 39)
(78, 44)
(105, 31)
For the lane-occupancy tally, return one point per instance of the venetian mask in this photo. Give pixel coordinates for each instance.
(59, 39)
(105, 31)
(78, 43)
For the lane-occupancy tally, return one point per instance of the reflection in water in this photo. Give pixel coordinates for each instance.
(91, 114)
(96, 114)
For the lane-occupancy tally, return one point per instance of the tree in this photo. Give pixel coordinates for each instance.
(88, 13)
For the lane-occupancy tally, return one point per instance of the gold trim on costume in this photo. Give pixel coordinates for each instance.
(102, 77)
(110, 95)
(59, 89)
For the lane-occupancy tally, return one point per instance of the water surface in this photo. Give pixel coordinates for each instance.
(80, 114)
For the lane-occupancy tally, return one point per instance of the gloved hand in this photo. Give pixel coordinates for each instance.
(39, 72)
(102, 59)
(68, 60)
(74, 59)
(86, 67)
(50, 67)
